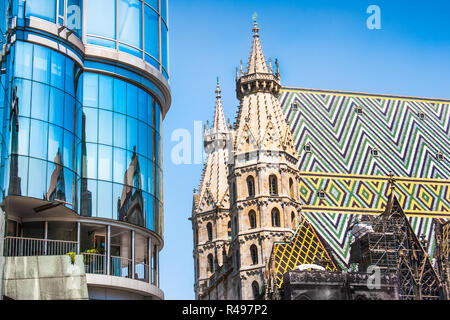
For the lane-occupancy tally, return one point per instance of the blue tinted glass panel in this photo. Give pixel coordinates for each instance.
(91, 127)
(90, 90)
(105, 26)
(92, 204)
(151, 32)
(69, 144)
(120, 160)
(164, 9)
(151, 134)
(24, 94)
(91, 160)
(104, 162)
(143, 134)
(151, 61)
(20, 144)
(130, 50)
(74, 15)
(69, 113)
(44, 9)
(70, 81)
(120, 129)
(105, 126)
(130, 22)
(149, 219)
(101, 42)
(38, 139)
(158, 117)
(106, 92)
(132, 129)
(120, 96)
(164, 47)
(55, 143)
(132, 100)
(142, 107)
(153, 4)
(117, 193)
(56, 106)
(41, 64)
(39, 101)
(24, 59)
(37, 179)
(144, 172)
(69, 181)
(104, 200)
(57, 70)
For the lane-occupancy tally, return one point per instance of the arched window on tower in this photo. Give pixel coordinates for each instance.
(254, 254)
(234, 191)
(255, 289)
(229, 229)
(252, 219)
(293, 220)
(276, 217)
(251, 186)
(210, 231)
(196, 235)
(273, 185)
(210, 263)
(291, 187)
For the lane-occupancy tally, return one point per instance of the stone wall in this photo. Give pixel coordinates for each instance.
(45, 278)
(324, 285)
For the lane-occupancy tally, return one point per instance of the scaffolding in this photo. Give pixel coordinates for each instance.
(393, 247)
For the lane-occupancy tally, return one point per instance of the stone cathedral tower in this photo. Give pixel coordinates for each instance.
(263, 175)
(210, 213)
(247, 196)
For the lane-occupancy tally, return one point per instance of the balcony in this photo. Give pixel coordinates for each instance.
(94, 263)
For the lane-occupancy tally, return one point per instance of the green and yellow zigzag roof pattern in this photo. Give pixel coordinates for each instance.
(407, 132)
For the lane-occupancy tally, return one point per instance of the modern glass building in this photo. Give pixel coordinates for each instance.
(84, 90)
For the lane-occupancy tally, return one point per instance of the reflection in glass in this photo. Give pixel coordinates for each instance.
(130, 22)
(39, 101)
(56, 189)
(130, 204)
(104, 27)
(41, 64)
(44, 9)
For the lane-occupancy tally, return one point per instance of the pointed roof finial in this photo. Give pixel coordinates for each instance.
(255, 25)
(218, 91)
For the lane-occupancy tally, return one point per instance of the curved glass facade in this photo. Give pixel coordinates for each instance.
(63, 12)
(87, 138)
(137, 27)
(121, 152)
(40, 128)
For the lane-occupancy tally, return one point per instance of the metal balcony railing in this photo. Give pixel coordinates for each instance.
(121, 267)
(141, 271)
(26, 247)
(94, 263)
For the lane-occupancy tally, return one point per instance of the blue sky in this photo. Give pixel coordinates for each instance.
(321, 44)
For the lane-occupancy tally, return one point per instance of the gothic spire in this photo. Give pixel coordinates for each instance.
(213, 190)
(261, 124)
(219, 125)
(256, 62)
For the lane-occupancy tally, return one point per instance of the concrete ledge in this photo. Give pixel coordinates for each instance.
(45, 278)
(141, 288)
